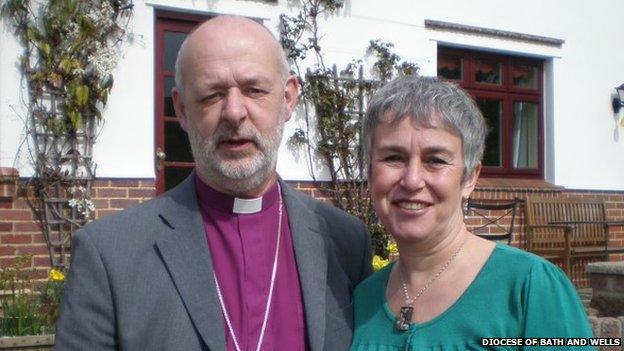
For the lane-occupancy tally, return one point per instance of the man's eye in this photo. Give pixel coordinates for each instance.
(436, 161)
(254, 91)
(212, 96)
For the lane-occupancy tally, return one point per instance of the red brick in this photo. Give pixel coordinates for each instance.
(41, 261)
(6, 203)
(125, 183)
(148, 183)
(38, 238)
(101, 183)
(122, 203)
(21, 204)
(6, 227)
(6, 261)
(16, 239)
(141, 193)
(16, 215)
(111, 192)
(6, 250)
(101, 203)
(33, 250)
(26, 227)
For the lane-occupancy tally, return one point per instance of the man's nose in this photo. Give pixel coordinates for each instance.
(413, 176)
(234, 110)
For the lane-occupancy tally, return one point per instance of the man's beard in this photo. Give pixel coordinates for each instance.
(236, 172)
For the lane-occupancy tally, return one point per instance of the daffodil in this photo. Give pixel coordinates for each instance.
(392, 248)
(56, 275)
(379, 263)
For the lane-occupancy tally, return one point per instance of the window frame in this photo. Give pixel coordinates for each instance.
(509, 94)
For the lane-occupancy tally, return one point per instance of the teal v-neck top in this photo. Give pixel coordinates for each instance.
(515, 295)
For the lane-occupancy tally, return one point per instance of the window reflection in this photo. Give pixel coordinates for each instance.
(488, 72)
(524, 76)
(492, 110)
(450, 67)
(525, 135)
(173, 41)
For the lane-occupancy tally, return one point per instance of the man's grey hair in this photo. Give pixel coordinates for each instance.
(179, 82)
(427, 101)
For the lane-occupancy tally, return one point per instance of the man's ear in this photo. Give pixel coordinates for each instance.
(291, 95)
(471, 182)
(179, 107)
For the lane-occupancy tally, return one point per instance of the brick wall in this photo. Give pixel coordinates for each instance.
(19, 234)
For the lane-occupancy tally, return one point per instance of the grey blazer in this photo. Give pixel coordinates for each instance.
(142, 279)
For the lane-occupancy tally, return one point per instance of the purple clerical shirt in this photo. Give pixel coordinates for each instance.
(242, 247)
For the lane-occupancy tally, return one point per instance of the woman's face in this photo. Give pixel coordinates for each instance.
(416, 180)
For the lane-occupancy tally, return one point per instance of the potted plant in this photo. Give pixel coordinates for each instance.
(29, 308)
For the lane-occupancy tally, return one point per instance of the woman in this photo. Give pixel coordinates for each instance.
(449, 288)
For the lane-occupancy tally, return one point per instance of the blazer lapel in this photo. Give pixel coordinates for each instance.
(310, 253)
(187, 257)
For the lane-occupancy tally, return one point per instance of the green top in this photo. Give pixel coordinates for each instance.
(515, 295)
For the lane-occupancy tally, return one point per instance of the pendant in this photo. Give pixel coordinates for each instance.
(404, 318)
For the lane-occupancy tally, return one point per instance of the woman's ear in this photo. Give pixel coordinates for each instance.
(471, 182)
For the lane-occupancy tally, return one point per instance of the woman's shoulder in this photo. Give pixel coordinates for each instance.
(507, 258)
(375, 281)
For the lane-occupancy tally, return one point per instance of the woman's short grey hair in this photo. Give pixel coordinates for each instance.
(427, 101)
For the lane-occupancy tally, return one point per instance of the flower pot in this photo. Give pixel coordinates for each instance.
(27, 343)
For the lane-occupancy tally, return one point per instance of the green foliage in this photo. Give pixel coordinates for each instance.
(24, 311)
(68, 53)
(337, 100)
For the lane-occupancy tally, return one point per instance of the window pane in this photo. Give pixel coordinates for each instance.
(175, 175)
(450, 67)
(177, 147)
(525, 135)
(493, 112)
(524, 76)
(173, 41)
(169, 83)
(488, 72)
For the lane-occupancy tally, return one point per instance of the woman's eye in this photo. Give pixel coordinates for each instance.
(393, 158)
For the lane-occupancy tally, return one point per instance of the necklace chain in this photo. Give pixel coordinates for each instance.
(408, 300)
(273, 274)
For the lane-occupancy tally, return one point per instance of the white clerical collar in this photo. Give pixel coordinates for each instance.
(247, 206)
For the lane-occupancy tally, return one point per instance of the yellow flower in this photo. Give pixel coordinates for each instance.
(379, 263)
(56, 275)
(392, 248)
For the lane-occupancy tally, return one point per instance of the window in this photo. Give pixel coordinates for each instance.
(508, 90)
(174, 160)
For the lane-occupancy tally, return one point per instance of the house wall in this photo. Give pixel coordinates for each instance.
(20, 234)
(584, 147)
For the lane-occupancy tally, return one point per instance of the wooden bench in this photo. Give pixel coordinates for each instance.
(568, 228)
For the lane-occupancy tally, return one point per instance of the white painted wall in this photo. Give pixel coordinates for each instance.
(584, 147)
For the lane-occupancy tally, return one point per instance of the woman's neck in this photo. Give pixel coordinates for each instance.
(424, 257)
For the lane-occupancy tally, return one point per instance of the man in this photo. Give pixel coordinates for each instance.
(232, 258)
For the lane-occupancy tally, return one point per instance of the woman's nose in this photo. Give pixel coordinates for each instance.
(412, 179)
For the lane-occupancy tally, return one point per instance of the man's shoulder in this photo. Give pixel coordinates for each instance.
(328, 211)
(140, 220)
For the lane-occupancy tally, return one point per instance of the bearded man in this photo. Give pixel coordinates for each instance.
(232, 258)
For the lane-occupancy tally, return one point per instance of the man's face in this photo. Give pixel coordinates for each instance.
(234, 106)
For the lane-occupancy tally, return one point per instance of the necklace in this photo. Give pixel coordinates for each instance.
(273, 274)
(405, 315)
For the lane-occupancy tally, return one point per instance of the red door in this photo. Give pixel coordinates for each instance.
(174, 160)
